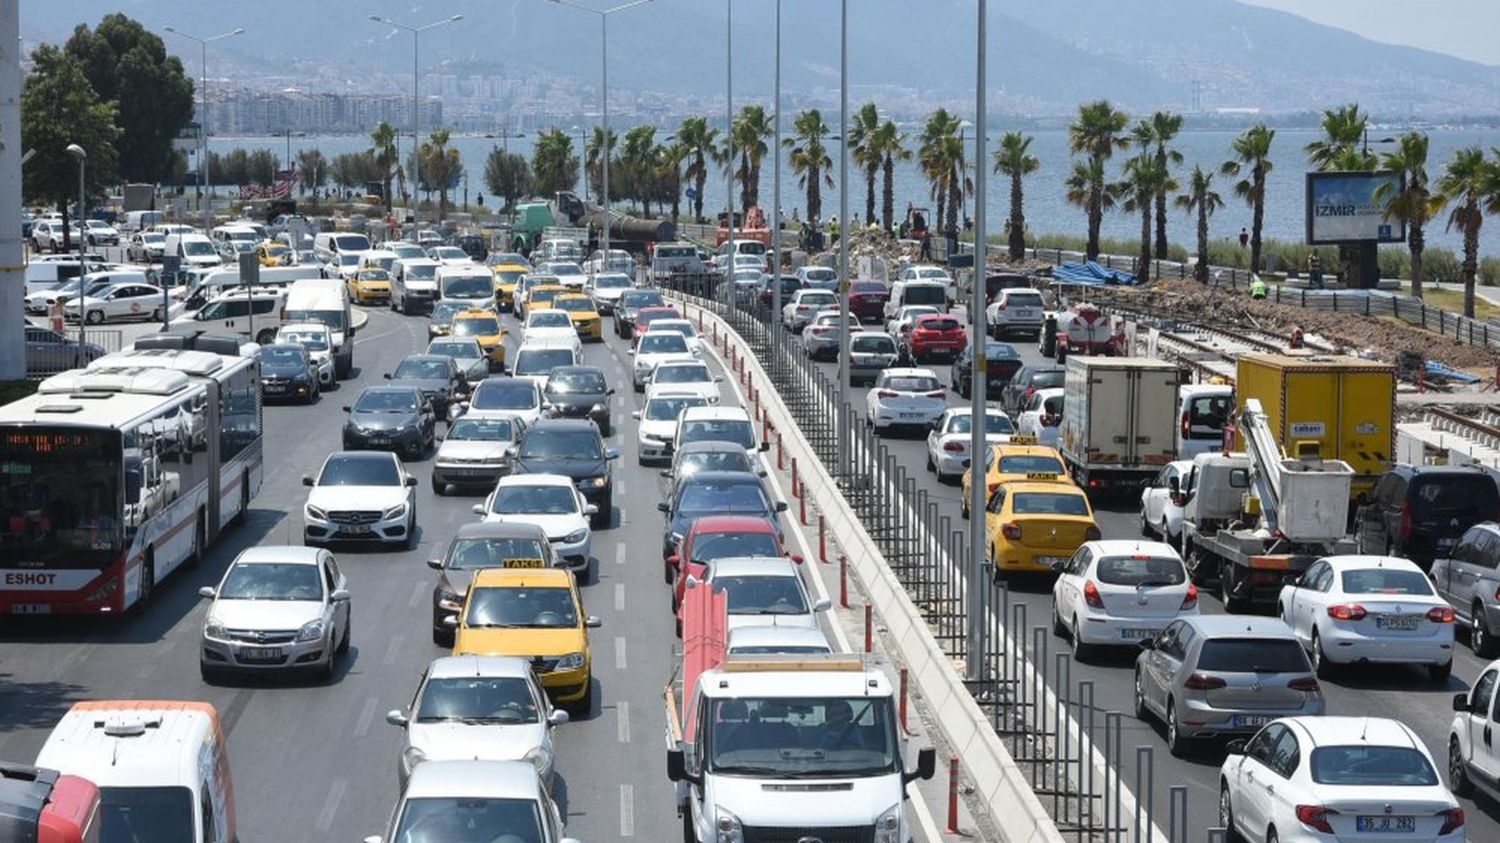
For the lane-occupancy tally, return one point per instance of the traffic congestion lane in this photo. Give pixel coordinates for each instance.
(1397, 692)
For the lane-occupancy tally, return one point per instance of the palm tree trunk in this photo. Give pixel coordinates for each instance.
(744, 183)
(1200, 271)
(870, 195)
(888, 193)
(942, 204)
(1417, 242)
(1471, 256)
(1160, 249)
(1257, 218)
(1096, 216)
(698, 182)
(1143, 272)
(1017, 238)
(955, 195)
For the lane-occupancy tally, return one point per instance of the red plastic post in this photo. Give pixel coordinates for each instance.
(843, 581)
(822, 540)
(780, 453)
(765, 428)
(796, 487)
(952, 795)
(904, 729)
(802, 507)
(869, 628)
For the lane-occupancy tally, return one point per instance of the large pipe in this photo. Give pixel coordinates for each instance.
(12, 272)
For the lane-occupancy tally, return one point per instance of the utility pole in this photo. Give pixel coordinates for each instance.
(12, 255)
(203, 173)
(979, 569)
(845, 229)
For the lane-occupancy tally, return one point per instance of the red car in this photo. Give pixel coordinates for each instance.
(937, 335)
(719, 537)
(644, 317)
(867, 300)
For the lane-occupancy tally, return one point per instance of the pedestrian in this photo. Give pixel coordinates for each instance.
(1244, 238)
(55, 315)
(925, 253)
(1314, 271)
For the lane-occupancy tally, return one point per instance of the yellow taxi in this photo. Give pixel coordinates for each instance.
(481, 325)
(370, 283)
(539, 297)
(1018, 459)
(585, 315)
(507, 278)
(271, 253)
(1034, 524)
(532, 612)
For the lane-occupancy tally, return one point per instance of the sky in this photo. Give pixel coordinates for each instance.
(1464, 28)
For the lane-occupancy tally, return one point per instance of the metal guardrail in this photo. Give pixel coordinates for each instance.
(45, 358)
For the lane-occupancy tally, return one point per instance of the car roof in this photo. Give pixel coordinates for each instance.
(500, 530)
(1047, 487)
(1354, 561)
(523, 578)
(742, 478)
(1232, 626)
(577, 370)
(777, 636)
(908, 371)
(407, 390)
(286, 554)
(1371, 731)
(753, 566)
(870, 333)
(448, 667)
(731, 524)
(718, 413)
(535, 480)
(710, 446)
(563, 425)
(1130, 547)
(473, 780)
(361, 456)
(423, 356)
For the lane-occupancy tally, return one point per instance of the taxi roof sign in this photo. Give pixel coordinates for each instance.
(1041, 475)
(1022, 439)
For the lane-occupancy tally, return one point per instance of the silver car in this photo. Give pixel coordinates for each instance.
(1468, 579)
(276, 609)
(870, 353)
(474, 453)
(1223, 675)
(821, 336)
(472, 363)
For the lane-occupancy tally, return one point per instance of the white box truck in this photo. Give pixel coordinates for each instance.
(1119, 421)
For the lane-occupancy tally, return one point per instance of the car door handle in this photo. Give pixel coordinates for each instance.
(1487, 734)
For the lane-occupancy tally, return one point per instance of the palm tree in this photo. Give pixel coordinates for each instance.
(1142, 181)
(934, 156)
(1412, 205)
(1096, 133)
(638, 165)
(669, 160)
(554, 166)
(1340, 149)
(862, 130)
(698, 139)
(1471, 183)
(594, 163)
(752, 126)
(1013, 158)
(441, 167)
(1202, 199)
(889, 143)
(1089, 188)
(807, 152)
(1155, 135)
(312, 170)
(1252, 149)
(386, 157)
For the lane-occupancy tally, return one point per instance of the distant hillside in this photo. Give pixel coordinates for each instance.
(1045, 57)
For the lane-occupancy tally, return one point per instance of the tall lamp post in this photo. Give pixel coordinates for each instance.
(776, 189)
(203, 118)
(83, 159)
(978, 602)
(845, 229)
(416, 108)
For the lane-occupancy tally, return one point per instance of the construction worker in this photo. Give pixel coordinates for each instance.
(1296, 337)
(1314, 271)
(1257, 287)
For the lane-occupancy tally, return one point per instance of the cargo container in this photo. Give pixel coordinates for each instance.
(1119, 420)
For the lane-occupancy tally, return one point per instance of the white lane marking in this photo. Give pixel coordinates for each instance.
(620, 554)
(418, 588)
(331, 804)
(619, 652)
(393, 648)
(366, 714)
(619, 597)
(627, 811)
(924, 819)
(622, 713)
(620, 485)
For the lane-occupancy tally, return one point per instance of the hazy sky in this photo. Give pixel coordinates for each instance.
(1464, 28)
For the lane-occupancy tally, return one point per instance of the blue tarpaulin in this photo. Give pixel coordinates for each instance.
(1438, 370)
(1092, 273)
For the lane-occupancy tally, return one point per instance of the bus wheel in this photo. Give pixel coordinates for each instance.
(239, 517)
(200, 539)
(148, 577)
(266, 337)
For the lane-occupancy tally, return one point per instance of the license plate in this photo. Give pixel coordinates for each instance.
(275, 388)
(355, 530)
(521, 563)
(1023, 314)
(1049, 561)
(1397, 622)
(1249, 721)
(1138, 634)
(380, 440)
(259, 654)
(913, 415)
(1385, 823)
(31, 608)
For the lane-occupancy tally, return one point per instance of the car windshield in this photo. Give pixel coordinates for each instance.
(712, 461)
(478, 699)
(758, 594)
(641, 298)
(527, 499)
(386, 401)
(912, 383)
(585, 382)
(993, 423)
(195, 248)
(528, 607)
(334, 319)
(712, 546)
(1253, 655)
(155, 814)
(504, 395)
(373, 275)
(1048, 503)
(739, 431)
(540, 361)
(1384, 581)
(359, 471)
(573, 304)
(271, 581)
(664, 343)
(422, 370)
(554, 318)
(1047, 380)
(564, 268)
(448, 253)
(476, 326)
(682, 374)
(283, 356)
(457, 350)
(667, 408)
(708, 498)
(473, 554)
(821, 298)
(676, 326)
(818, 274)
(789, 737)
(469, 819)
(481, 430)
(1030, 464)
(347, 259)
(1365, 765)
(313, 340)
(1133, 571)
(541, 443)
(611, 282)
(873, 345)
(469, 287)
(442, 312)
(420, 272)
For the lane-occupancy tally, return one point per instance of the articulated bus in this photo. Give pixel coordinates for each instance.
(113, 476)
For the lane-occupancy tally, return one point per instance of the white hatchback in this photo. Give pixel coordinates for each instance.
(683, 376)
(360, 496)
(550, 326)
(765, 591)
(1161, 512)
(948, 443)
(1119, 593)
(905, 397)
(653, 349)
(658, 423)
(551, 502)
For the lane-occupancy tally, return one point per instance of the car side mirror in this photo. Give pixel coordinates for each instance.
(796, 558)
(345, 408)
(1059, 564)
(764, 446)
(1235, 747)
(593, 622)
(557, 717)
(926, 765)
(1461, 702)
(663, 506)
(718, 378)
(395, 718)
(609, 391)
(677, 770)
(1174, 486)
(1148, 643)
(666, 472)
(307, 480)
(435, 564)
(612, 453)
(823, 604)
(780, 506)
(450, 621)
(635, 414)
(477, 509)
(410, 480)
(207, 591)
(387, 375)
(339, 595)
(438, 438)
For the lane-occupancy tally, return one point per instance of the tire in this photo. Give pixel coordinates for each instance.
(1142, 713)
(1232, 604)
(410, 541)
(1271, 836)
(94, 317)
(963, 508)
(600, 519)
(931, 466)
(689, 834)
(157, 315)
(324, 671)
(1439, 673)
(1176, 743)
(209, 675)
(1082, 652)
(266, 337)
(1058, 628)
(1146, 530)
(583, 707)
(343, 648)
(439, 489)
(1321, 665)
(148, 579)
(200, 541)
(1226, 815)
(1458, 771)
(1480, 639)
(443, 637)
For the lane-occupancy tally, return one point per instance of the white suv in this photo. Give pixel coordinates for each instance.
(1016, 311)
(361, 496)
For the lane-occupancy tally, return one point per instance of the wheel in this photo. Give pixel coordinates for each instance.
(95, 317)
(931, 466)
(1458, 771)
(148, 579)
(963, 508)
(200, 540)
(963, 388)
(1081, 652)
(1439, 673)
(585, 706)
(158, 315)
(443, 636)
(439, 489)
(1058, 628)
(410, 541)
(689, 834)
(668, 576)
(600, 519)
(1226, 815)
(1480, 640)
(209, 675)
(1177, 744)
(1232, 604)
(1271, 836)
(1146, 528)
(343, 647)
(266, 337)
(1321, 665)
(324, 671)
(1141, 712)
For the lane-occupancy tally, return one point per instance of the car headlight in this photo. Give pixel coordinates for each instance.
(888, 825)
(411, 757)
(314, 512)
(214, 628)
(451, 601)
(394, 512)
(310, 631)
(596, 482)
(676, 538)
(598, 408)
(540, 758)
(727, 828)
(571, 661)
(576, 536)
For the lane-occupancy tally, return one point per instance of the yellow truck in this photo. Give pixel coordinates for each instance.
(1345, 404)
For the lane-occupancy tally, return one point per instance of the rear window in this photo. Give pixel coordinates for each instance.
(675, 252)
(1047, 380)
(1027, 464)
(1051, 503)
(912, 383)
(1015, 299)
(938, 324)
(1399, 766)
(1384, 581)
(925, 294)
(1253, 655)
(1130, 571)
(1467, 498)
(1207, 415)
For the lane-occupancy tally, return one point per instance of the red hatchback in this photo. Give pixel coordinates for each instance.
(646, 315)
(719, 537)
(937, 335)
(867, 300)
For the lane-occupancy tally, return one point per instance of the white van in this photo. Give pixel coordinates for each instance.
(1202, 411)
(329, 244)
(162, 760)
(903, 293)
(252, 312)
(134, 221)
(325, 300)
(413, 284)
(475, 284)
(231, 240)
(193, 249)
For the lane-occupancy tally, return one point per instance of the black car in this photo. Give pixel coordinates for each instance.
(287, 373)
(1420, 512)
(473, 246)
(715, 493)
(1001, 362)
(1025, 381)
(579, 392)
(630, 302)
(574, 449)
(436, 375)
(387, 418)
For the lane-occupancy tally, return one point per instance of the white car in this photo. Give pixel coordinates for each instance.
(276, 609)
(1160, 514)
(1376, 609)
(568, 273)
(449, 256)
(931, 273)
(118, 302)
(684, 376)
(100, 233)
(652, 350)
(618, 261)
(818, 278)
(1473, 760)
(549, 501)
(505, 398)
(550, 326)
(679, 326)
(606, 289)
(361, 496)
(776, 640)
(1015, 310)
(40, 302)
(898, 325)
(495, 801)
(806, 304)
(658, 423)
(536, 360)
(905, 397)
(948, 442)
(475, 452)
(1322, 779)
(719, 424)
(317, 339)
(765, 591)
(1041, 416)
(1119, 593)
(486, 708)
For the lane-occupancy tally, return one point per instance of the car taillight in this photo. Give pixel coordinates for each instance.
(1453, 820)
(1346, 612)
(1305, 684)
(802, 308)
(1440, 614)
(1011, 530)
(1315, 817)
(953, 447)
(1091, 595)
(1092, 535)
(1406, 520)
(1190, 600)
(885, 393)
(1203, 682)
(1051, 421)
(937, 393)
(1187, 427)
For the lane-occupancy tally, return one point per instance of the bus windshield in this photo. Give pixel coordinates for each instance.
(60, 501)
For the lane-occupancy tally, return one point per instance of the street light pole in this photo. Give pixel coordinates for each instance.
(776, 190)
(727, 282)
(203, 118)
(83, 158)
(978, 575)
(845, 229)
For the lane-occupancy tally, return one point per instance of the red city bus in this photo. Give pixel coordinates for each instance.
(42, 806)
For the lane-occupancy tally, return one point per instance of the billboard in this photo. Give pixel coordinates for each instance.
(1342, 208)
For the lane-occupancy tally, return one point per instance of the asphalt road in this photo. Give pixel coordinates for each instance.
(1401, 693)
